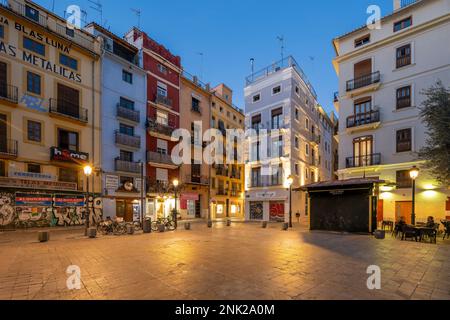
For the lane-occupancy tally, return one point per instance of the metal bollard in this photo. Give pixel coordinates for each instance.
(285, 226)
(228, 223)
(44, 236)
(147, 226)
(264, 224)
(210, 224)
(92, 233)
(187, 226)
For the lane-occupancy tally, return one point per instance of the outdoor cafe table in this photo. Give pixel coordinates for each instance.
(423, 230)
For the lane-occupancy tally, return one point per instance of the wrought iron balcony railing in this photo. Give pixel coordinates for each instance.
(9, 148)
(363, 119)
(8, 92)
(127, 166)
(129, 114)
(160, 99)
(197, 179)
(157, 157)
(128, 140)
(363, 81)
(163, 129)
(364, 161)
(68, 109)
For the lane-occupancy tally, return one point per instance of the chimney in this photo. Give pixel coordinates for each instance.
(397, 4)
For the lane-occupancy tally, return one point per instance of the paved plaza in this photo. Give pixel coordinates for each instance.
(243, 261)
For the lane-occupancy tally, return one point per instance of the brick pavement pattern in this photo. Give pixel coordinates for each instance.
(243, 261)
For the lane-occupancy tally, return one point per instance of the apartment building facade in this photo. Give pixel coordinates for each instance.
(282, 109)
(382, 73)
(195, 115)
(227, 179)
(124, 110)
(163, 117)
(49, 117)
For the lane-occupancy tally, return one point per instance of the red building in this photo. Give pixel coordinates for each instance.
(163, 107)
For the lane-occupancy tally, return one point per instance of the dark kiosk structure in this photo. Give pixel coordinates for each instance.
(345, 206)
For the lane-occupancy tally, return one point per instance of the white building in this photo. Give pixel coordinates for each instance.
(282, 107)
(382, 73)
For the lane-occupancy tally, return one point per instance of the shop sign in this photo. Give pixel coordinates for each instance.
(266, 195)
(34, 176)
(112, 182)
(58, 154)
(190, 196)
(37, 184)
(69, 201)
(29, 199)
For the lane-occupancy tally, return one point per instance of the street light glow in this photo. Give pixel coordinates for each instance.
(87, 170)
(175, 183)
(414, 173)
(290, 180)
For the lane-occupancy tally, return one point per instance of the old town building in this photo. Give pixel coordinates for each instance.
(49, 117)
(382, 74)
(124, 110)
(163, 117)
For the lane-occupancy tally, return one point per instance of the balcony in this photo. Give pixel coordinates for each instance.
(363, 121)
(68, 109)
(235, 193)
(197, 179)
(164, 101)
(336, 97)
(21, 9)
(315, 139)
(235, 174)
(158, 128)
(9, 93)
(369, 82)
(161, 187)
(364, 161)
(160, 160)
(222, 192)
(127, 166)
(128, 114)
(314, 162)
(9, 148)
(222, 172)
(128, 140)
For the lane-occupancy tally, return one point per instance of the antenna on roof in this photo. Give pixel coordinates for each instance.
(252, 64)
(97, 6)
(53, 6)
(138, 13)
(281, 40)
(201, 64)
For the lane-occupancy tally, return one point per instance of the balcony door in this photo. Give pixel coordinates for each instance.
(3, 134)
(363, 68)
(68, 101)
(362, 109)
(3, 79)
(362, 151)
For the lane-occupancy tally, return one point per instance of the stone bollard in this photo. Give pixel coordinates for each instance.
(147, 226)
(161, 227)
(130, 229)
(210, 224)
(285, 226)
(187, 226)
(228, 223)
(380, 234)
(92, 233)
(44, 236)
(264, 224)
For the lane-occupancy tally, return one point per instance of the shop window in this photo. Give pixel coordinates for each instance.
(68, 175)
(256, 210)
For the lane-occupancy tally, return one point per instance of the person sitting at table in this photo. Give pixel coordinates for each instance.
(399, 226)
(430, 222)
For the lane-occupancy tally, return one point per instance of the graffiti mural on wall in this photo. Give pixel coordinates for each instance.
(30, 213)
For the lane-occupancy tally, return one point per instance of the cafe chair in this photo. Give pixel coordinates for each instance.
(410, 232)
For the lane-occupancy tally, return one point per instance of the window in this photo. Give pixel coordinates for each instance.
(162, 118)
(69, 101)
(277, 175)
(195, 104)
(68, 175)
(403, 24)
(297, 114)
(127, 130)
(34, 46)
(2, 169)
(162, 69)
(256, 98)
(70, 32)
(68, 61)
(33, 83)
(255, 152)
(297, 90)
(124, 180)
(2, 31)
(277, 118)
(34, 168)
(404, 56)
(277, 147)
(126, 156)
(127, 76)
(404, 97)
(256, 177)
(307, 124)
(276, 90)
(213, 122)
(297, 169)
(32, 13)
(297, 143)
(127, 104)
(362, 41)
(67, 140)
(307, 149)
(161, 90)
(404, 140)
(403, 179)
(34, 131)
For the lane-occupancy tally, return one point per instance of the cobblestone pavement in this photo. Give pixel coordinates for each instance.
(238, 262)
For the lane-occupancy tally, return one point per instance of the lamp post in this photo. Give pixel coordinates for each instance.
(87, 172)
(175, 185)
(290, 181)
(413, 173)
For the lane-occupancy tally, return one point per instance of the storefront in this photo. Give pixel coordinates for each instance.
(268, 205)
(160, 207)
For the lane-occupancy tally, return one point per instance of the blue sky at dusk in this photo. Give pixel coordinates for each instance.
(229, 33)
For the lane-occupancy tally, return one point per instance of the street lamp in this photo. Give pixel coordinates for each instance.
(290, 181)
(175, 183)
(87, 172)
(413, 173)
